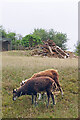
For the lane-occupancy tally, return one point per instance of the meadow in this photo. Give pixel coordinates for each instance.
(18, 66)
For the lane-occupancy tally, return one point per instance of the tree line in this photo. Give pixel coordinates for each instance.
(36, 37)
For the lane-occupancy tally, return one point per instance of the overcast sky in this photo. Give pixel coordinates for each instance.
(22, 16)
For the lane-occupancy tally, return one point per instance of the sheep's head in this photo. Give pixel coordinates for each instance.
(16, 94)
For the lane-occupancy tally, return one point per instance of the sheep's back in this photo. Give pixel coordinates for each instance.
(50, 73)
(39, 84)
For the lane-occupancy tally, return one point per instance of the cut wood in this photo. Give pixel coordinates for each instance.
(49, 48)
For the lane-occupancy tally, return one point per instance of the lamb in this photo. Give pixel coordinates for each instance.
(34, 86)
(50, 73)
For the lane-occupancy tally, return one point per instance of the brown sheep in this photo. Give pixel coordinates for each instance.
(34, 86)
(50, 73)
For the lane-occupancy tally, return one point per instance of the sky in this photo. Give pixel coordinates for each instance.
(23, 16)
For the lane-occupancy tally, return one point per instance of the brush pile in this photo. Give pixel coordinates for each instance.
(49, 48)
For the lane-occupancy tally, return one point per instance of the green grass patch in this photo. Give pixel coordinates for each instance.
(16, 68)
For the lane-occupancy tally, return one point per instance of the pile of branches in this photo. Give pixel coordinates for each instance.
(49, 48)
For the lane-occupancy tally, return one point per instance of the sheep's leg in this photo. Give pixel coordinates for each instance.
(45, 97)
(42, 96)
(52, 96)
(48, 94)
(39, 96)
(60, 89)
(32, 98)
(35, 99)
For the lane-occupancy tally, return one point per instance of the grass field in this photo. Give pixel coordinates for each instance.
(17, 67)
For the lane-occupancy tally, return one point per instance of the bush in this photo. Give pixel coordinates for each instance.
(31, 41)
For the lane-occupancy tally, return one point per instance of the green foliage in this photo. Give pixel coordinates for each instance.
(59, 38)
(15, 38)
(18, 42)
(11, 35)
(42, 33)
(3, 33)
(31, 40)
(35, 38)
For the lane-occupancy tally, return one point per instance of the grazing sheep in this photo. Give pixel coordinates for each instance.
(23, 82)
(52, 74)
(34, 86)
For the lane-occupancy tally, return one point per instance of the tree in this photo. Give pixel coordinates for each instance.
(3, 33)
(41, 33)
(37, 37)
(51, 34)
(30, 40)
(60, 40)
(11, 35)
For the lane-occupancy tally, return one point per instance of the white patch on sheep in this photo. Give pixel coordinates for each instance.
(39, 96)
(23, 82)
(15, 98)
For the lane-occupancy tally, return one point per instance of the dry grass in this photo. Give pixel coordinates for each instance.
(17, 68)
